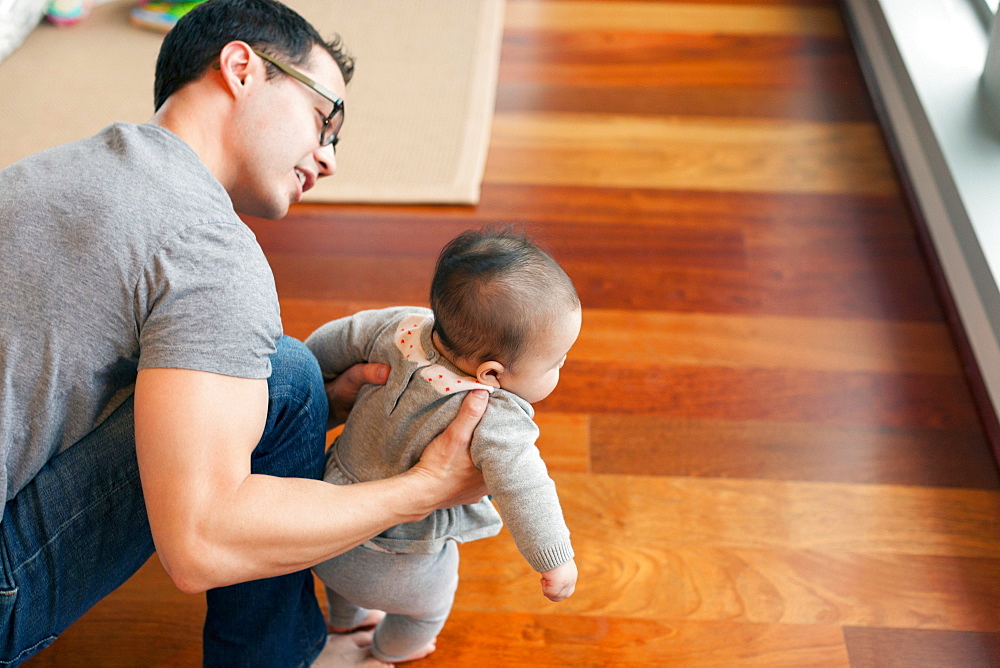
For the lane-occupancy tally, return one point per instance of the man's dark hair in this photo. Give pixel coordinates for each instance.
(493, 290)
(196, 41)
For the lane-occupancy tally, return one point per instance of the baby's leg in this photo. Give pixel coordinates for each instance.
(344, 617)
(410, 629)
(401, 638)
(416, 591)
(342, 613)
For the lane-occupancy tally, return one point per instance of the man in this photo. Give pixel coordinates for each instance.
(147, 398)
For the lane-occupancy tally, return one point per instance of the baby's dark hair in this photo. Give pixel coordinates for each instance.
(493, 290)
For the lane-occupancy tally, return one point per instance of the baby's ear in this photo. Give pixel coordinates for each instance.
(489, 373)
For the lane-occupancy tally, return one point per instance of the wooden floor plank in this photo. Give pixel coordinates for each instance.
(719, 340)
(641, 59)
(685, 269)
(725, 340)
(744, 586)
(672, 17)
(832, 517)
(921, 648)
(903, 401)
(818, 104)
(678, 245)
(762, 214)
(715, 154)
(509, 639)
(793, 553)
(525, 639)
(710, 550)
(606, 286)
(781, 450)
(564, 441)
(768, 286)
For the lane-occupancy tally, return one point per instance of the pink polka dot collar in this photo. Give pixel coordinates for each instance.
(441, 378)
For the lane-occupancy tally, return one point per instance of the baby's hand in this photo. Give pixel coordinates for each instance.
(559, 583)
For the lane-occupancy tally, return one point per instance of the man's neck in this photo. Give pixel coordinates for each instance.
(197, 127)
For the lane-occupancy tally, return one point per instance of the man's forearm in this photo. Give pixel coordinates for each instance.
(273, 526)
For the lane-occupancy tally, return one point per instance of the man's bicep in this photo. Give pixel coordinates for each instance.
(194, 432)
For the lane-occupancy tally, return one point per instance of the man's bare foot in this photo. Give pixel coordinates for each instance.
(425, 651)
(373, 618)
(348, 650)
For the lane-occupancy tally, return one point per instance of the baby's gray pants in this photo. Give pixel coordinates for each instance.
(415, 590)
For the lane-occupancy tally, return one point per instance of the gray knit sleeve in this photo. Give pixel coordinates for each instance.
(504, 449)
(344, 342)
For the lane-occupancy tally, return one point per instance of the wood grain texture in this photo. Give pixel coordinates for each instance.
(783, 450)
(673, 17)
(834, 256)
(660, 511)
(765, 214)
(818, 103)
(529, 640)
(921, 648)
(564, 441)
(872, 399)
(641, 59)
(709, 154)
(830, 344)
(762, 552)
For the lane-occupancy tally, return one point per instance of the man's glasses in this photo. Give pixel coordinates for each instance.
(331, 123)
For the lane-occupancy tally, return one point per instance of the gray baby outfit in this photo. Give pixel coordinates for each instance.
(387, 431)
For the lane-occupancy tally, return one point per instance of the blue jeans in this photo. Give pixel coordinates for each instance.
(79, 530)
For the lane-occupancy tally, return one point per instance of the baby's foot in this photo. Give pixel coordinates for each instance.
(373, 618)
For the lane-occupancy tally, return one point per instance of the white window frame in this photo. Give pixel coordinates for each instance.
(924, 62)
(986, 8)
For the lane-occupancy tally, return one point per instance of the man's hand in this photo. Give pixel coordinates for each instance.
(343, 390)
(447, 461)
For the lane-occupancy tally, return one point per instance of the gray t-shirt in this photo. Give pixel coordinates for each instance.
(118, 252)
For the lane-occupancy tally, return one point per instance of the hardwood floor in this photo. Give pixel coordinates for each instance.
(765, 445)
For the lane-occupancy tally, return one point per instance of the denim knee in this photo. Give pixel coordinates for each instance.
(294, 370)
(294, 437)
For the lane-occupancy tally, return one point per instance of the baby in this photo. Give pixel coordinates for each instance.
(503, 317)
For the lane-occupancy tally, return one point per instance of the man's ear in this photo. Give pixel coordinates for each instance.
(237, 65)
(489, 373)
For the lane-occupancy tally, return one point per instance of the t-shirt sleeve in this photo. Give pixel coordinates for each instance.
(206, 301)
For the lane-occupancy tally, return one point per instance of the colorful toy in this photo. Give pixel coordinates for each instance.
(67, 12)
(161, 15)
(158, 15)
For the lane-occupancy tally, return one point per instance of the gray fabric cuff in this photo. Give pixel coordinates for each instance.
(550, 557)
